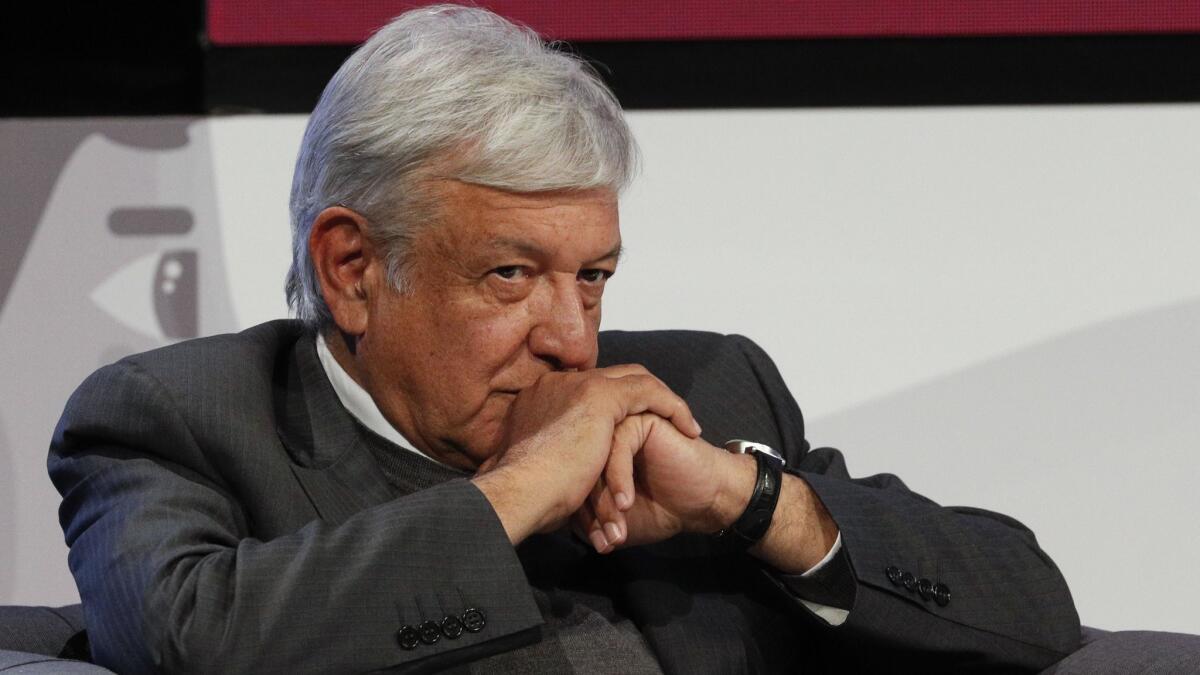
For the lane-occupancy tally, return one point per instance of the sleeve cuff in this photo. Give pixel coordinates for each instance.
(827, 589)
(833, 551)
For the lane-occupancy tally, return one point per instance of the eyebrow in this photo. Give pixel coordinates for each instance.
(526, 248)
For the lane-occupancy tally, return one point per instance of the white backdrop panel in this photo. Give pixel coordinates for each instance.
(1001, 305)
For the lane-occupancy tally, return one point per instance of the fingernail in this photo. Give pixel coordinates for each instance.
(598, 540)
(623, 501)
(614, 532)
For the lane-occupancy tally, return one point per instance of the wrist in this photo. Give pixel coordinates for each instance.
(737, 474)
(519, 518)
(802, 532)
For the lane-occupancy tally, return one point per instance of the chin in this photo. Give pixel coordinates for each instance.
(490, 443)
(483, 442)
(485, 434)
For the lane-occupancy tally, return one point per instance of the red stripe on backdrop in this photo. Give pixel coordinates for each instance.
(300, 22)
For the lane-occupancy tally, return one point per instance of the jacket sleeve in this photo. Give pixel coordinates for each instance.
(1003, 603)
(171, 578)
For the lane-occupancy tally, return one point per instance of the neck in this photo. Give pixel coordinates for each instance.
(344, 350)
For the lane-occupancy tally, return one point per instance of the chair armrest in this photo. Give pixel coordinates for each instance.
(39, 630)
(31, 664)
(1132, 651)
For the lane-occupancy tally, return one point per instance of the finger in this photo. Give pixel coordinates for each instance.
(646, 393)
(628, 438)
(589, 528)
(581, 522)
(622, 370)
(608, 516)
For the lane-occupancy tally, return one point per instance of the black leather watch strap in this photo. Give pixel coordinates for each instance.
(756, 519)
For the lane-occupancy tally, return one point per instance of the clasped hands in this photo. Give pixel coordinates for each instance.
(617, 455)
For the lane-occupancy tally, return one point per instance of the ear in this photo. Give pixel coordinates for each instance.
(342, 254)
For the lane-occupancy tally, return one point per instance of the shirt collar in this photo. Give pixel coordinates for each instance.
(359, 403)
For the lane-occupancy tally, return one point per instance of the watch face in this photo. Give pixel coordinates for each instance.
(743, 447)
(768, 451)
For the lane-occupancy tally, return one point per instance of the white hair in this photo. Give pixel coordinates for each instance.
(486, 101)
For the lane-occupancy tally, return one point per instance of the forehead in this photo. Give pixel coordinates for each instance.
(477, 217)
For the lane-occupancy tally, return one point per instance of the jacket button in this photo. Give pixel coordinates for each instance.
(452, 627)
(893, 574)
(408, 637)
(941, 595)
(473, 620)
(925, 588)
(909, 581)
(430, 632)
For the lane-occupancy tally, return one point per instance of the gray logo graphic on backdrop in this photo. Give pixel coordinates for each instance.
(172, 311)
(112, 247)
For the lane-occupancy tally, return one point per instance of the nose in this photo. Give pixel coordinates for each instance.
(564, 332)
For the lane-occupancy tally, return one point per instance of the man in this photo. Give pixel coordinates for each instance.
(393, 480)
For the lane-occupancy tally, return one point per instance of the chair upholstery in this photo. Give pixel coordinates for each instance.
(31, 639)
(1133, 651)
(24, 663)
(39, 630)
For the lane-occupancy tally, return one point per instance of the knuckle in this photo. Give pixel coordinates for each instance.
(645, 380)
(590, 386)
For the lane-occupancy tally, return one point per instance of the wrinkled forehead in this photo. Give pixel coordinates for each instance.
(490, 220)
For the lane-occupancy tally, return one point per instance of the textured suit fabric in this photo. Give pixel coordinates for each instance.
(225, 515)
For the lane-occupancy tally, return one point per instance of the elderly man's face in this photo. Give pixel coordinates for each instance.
(504, 287)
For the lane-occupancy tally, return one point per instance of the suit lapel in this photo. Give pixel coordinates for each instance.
(329, 454)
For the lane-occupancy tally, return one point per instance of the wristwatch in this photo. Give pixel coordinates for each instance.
(756, 519)
(740, 447)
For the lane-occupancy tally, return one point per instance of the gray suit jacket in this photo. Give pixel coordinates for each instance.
(224, 514)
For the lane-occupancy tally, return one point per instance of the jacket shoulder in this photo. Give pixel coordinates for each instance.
(647, 346)
(208, 376)
(667, 348)
(254, 349)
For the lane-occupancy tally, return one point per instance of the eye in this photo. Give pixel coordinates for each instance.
(509, 272)
(594, 275)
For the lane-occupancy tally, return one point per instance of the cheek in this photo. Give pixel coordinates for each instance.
(477, 356)
(491, 340)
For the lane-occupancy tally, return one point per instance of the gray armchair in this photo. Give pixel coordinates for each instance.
(52, 640)
(44, 640)
(1130, 652)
